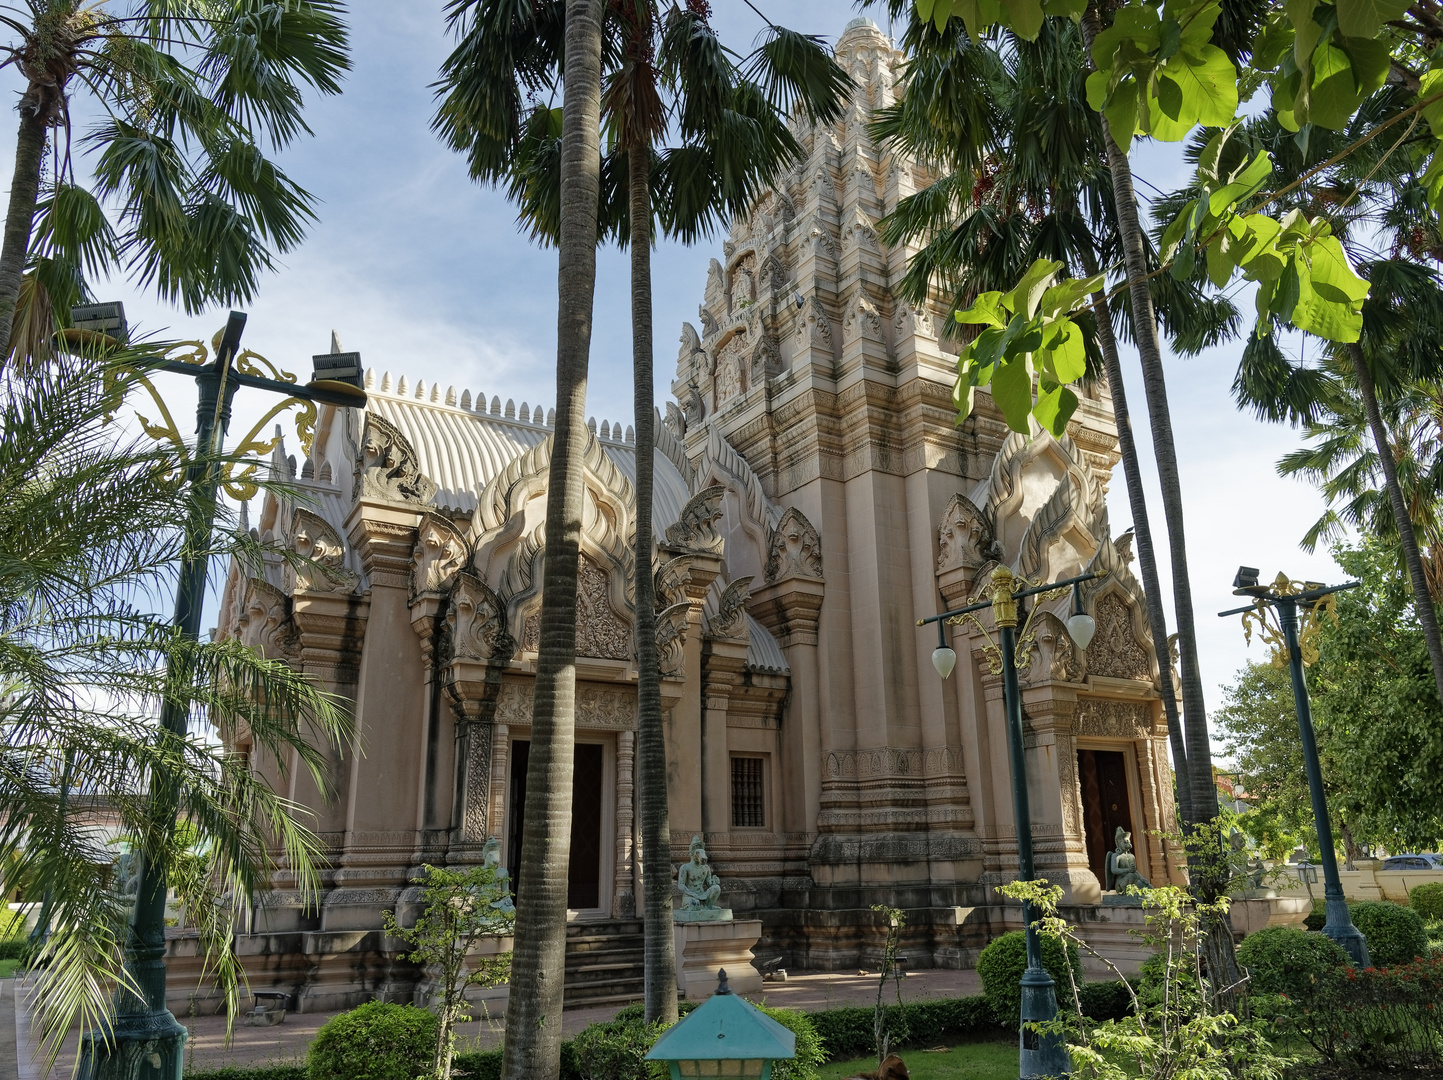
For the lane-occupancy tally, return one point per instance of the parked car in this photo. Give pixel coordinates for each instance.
(1413, 862)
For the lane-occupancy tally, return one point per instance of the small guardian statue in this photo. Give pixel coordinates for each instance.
(491, 857)
(699, 887)
(1122, 865)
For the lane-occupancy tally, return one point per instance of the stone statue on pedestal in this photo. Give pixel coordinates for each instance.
(491, 856)
(1122, 865)
(699, 888)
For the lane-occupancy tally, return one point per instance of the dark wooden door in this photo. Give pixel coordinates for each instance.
(583, 885)
(1105, 804)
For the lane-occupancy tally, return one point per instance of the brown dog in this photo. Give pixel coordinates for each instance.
(891, 1069)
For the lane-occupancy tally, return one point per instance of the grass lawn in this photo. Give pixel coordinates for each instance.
(7, 968)
(975, 1061)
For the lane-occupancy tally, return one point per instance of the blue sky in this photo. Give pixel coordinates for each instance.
(425, 273)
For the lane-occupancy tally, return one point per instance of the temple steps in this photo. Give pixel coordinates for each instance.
(605, 963)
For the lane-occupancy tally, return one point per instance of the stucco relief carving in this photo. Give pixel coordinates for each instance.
(813, 326)
(859, 232)
(964, 537)
(730, 621)
(695, 528)
(440, 552)
(671, 625)
(795, 550)
(774, 275)
(766, 359)
(862, 321)
(476, 621)
(912, 321)
(599, 632)
(731, 368)
(596, 707)
(265, 620)
(1056, 658)
(689, 357)
(1070, 790)
(387, 466)
(1114, 719)
(1115, 650)
(474, 810)
(313, 538)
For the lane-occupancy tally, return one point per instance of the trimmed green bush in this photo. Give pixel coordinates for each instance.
(810, 1051)
(1395, 934)
(1101, 1001)
(848, 1033)
(1286, 960)
(1001, 966)
(13, 948)
(296, 1071)
(617, 1051)
(374, 1042)
(1427, 901)
(1318, 916)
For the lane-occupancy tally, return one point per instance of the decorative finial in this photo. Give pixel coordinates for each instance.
(721, 982)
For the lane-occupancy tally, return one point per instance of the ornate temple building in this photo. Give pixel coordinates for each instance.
(814, 498)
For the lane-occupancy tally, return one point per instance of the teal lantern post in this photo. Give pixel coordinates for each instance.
(727, 1038)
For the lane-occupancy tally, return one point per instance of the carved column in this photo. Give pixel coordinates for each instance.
(724, 658)
(500, 770)
(624, 902)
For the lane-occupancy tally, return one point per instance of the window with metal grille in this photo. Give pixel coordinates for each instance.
(748, 805)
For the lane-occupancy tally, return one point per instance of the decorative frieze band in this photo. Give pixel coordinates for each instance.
(889, 762)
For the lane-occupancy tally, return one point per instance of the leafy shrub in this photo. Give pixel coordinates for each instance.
(374, 1042)
(1395, 934)
(617, 1051)
(13, 948)
(296, 1071)
(1377, 1018)
(1101, 1001)
(1001, 966)
(1427, 901)
(848, 1033)
(810, 1051)
(637, 1010)
(1286, 960)
(1318, 917)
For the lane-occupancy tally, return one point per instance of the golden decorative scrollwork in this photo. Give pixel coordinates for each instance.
(1001, 591)
(1263, 620)
(238, 477)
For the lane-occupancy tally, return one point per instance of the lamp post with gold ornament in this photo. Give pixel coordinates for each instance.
(1040, 1054)
(144, 1041)
(1293, 638)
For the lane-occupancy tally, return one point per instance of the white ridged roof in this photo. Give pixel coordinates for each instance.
(462, 448)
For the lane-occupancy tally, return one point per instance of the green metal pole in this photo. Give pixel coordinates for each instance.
(1041, 1055)
(145, 1041)
(1339, 925)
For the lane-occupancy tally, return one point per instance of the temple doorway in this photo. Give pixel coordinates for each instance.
(1106, 805)
(583, 887)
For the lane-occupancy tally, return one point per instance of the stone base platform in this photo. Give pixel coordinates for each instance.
(1251, 915)
(704, 947)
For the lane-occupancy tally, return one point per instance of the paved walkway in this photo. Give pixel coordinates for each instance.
(287, 1042)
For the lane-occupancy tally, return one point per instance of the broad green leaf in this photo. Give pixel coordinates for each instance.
(1431, 85)
(1315, 314)
(962, 398)
(1023, 299)
(1098, 84)
(985, 310)
(1024, 17)
(1169, 37)
(1220, 260)
(1305, 31)
(1333, 93)
(1122, 116)
(1173, 235)
(1012, 391)
(1332, 276)
(1272, 43)
(1065, 295)
(1364, 18)
(1054, 408)
(1069, 354)
(1209, 85)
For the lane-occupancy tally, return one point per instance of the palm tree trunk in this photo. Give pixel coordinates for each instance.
(1146, 553)
(1208, 871)
(660, 948)
(1422, 598)
(19, 218)
(538, 966)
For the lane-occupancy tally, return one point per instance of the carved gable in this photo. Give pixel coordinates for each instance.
(795, 549)
(1115, 650)
(600, 632)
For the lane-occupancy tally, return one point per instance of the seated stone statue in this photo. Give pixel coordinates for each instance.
(491, 856)
(1122, 865)
(699, 886)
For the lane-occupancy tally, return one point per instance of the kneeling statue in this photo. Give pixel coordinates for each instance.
(699, 886)
(1122, 865)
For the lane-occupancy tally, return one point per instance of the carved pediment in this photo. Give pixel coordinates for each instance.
(695, 528)
(476, 621)
(439, 554)
(387, 466)
(862, 321)
(729, 623)
(600, 632)
(313, 539)
(1115, 650)
(795, 549)
(964, 537)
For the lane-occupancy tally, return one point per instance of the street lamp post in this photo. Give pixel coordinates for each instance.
(1041, 1055)
(145, 1041)
(1290, 643)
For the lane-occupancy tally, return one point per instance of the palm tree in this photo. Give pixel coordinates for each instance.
(91, 530)
(189, 92)
(504, 53)
(1026, 179)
